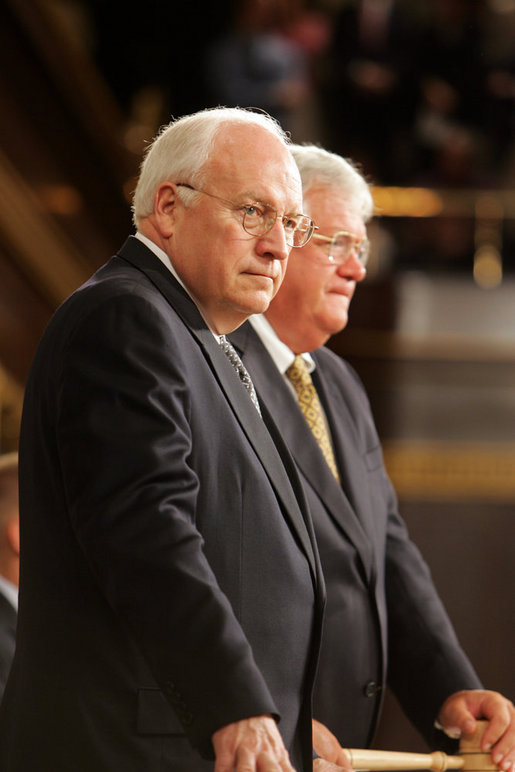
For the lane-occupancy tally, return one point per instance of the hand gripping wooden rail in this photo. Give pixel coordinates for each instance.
(471, 757)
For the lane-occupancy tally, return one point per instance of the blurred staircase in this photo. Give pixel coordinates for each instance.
(63, 177)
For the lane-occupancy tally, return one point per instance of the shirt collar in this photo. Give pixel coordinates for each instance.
(282, 355)
(10, 591)
(161, 254)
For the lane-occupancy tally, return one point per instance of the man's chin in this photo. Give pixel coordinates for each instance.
(237, 313)
(258, 303)
(336, 324)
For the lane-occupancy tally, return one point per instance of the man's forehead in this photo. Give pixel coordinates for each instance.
(259, 175)
(272, 187)
(334, 212)
(330, 201)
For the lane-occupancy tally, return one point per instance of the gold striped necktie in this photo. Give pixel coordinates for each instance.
(309, 402)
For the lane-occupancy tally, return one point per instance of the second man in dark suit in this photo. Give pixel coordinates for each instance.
(384, 621)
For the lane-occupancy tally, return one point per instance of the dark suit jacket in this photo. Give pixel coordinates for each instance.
(7, 639)
(168, 576)
(384, 621)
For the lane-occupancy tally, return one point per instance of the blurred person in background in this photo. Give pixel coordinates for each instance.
(255, 64)
(370, 88)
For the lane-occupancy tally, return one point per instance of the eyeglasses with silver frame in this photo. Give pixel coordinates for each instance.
(258, 218)
(340, 247)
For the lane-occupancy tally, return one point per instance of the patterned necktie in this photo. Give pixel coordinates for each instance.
(309, 402)
(240, 368)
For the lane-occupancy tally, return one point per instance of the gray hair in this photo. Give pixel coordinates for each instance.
(321, 169)
(181, 149)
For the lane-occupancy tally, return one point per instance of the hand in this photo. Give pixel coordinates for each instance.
(321, 765)
(458, 715)
(251, 745)
(329, 749)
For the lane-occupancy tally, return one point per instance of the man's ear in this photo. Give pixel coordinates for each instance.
(165, 200)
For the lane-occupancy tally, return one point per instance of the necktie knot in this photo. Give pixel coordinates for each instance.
(241, 370)
(298, 372)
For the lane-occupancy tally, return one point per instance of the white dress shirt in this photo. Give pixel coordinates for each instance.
(9, 591)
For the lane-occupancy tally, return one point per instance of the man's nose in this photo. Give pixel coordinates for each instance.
(352, 267)
(274, 242)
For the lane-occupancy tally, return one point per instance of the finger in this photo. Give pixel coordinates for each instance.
(266, 762)
(460, 710)
(321, 765)
(248, 761)
(269, 762)
(494, 733)
(503, 752)
(224, 764)
(245, 761)
(456, 719)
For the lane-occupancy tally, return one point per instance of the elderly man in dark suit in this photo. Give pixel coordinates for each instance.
(9, 562)
(384, 621)
(170, 597)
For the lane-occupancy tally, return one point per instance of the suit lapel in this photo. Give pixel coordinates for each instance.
(274, 392)
(354, 475)
(252, 425)
(9, 615)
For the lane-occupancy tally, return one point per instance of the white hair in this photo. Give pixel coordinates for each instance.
(181, 149)
(321, 169)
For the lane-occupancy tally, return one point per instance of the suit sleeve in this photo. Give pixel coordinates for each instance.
(125, 443)
(425, 660)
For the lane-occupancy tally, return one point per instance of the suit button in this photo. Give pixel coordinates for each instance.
(371, 688)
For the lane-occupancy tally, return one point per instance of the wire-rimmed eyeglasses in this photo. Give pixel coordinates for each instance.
(340, 246)
(258, 218)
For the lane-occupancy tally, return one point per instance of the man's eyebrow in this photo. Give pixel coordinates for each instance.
(250, 196)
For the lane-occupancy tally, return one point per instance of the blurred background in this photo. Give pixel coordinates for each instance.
(422, 94)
